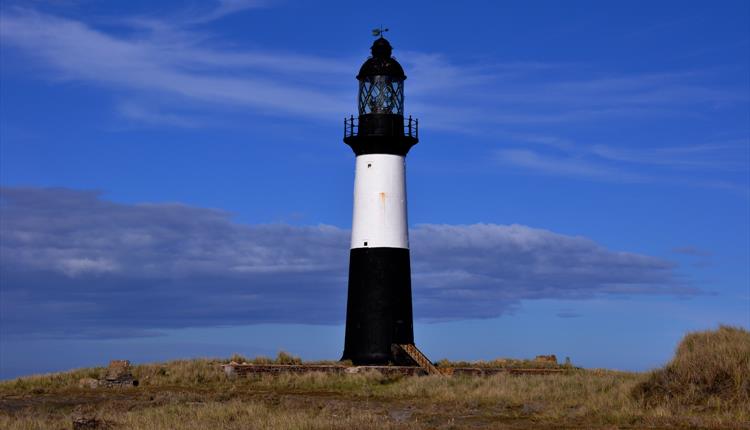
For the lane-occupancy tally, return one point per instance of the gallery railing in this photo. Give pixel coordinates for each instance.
(410, 128)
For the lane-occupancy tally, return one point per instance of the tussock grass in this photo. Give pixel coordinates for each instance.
(233, 414)
(709, 369)
(195, 394)
(579, 398)
(282, 357)
(49, 381)
(503, 363)
(199, 372)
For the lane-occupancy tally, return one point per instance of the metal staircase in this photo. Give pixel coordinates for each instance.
(415, 354)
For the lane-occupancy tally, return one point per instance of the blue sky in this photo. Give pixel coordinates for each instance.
(175, 183)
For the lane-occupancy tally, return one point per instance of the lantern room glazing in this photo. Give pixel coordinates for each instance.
(381, 95)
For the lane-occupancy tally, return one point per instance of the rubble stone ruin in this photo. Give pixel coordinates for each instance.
(117, 375)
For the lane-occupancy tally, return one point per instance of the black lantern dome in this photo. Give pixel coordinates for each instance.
(381, 106)
(381, 63)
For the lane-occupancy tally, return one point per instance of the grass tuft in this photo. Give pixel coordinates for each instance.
(709, 369)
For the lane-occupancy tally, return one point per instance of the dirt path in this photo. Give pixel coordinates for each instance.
(416, 412)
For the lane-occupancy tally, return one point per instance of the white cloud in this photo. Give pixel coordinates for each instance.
(565, 165)
(78, 266)
(228, 7)
(715, 155)
(145, 114)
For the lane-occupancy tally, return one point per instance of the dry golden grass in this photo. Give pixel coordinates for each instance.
(171, 397)
(195, 394)
(504, 363)
(282, 357)
(709, 369)
(233, 414)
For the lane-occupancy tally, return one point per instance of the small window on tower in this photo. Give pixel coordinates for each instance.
(365, 243)
(369, 165)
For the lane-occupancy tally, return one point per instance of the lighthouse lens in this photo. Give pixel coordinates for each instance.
(381, 95)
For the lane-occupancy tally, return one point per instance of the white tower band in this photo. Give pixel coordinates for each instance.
(379, 306)
(380, 202)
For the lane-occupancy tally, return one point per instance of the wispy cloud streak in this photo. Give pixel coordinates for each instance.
(706, 164)
(227, 7)
(177, 61)
(176, 67)
(515, 103)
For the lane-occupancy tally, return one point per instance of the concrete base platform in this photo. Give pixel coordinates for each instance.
(234, 370)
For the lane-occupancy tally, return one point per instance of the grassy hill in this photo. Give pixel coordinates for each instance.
(706, 385)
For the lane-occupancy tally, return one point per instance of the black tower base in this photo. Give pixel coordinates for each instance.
(378, 311)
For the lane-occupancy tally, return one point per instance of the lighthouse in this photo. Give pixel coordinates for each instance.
(379, 302)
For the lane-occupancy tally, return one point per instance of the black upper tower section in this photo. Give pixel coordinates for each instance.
(380, 127)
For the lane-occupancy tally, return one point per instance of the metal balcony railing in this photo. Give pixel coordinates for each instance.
(410, 127)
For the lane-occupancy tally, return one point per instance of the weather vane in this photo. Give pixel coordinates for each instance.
(379, 31)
